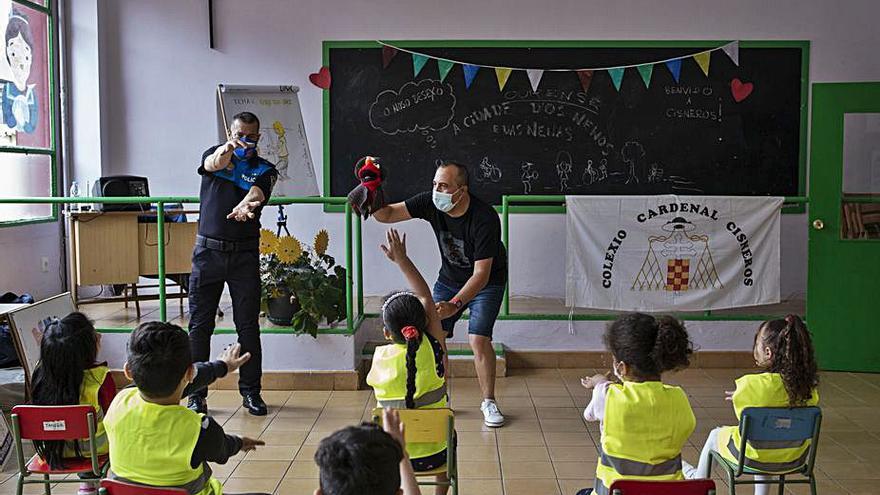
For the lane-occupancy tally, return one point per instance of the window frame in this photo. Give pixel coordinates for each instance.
(52, 151)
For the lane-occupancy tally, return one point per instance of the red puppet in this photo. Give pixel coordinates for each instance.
(367, 197)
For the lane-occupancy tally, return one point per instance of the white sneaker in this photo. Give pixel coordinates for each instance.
(492, 417)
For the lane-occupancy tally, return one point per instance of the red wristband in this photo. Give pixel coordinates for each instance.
(457, 302)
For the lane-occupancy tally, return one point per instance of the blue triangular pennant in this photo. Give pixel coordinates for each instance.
(674, 67)
(470, 72)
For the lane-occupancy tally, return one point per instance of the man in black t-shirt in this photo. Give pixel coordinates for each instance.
(236, 183)
(474, 269)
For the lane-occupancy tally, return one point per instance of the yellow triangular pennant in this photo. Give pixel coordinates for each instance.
(703, 61)
(502, 74)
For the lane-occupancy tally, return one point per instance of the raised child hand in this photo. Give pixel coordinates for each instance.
(395, 250)
(728, 395)
(233, 358)
(392, 426)
(590, 382)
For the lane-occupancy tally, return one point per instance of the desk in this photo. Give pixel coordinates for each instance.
(108, 248)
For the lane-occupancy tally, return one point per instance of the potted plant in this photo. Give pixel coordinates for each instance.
(301, 286)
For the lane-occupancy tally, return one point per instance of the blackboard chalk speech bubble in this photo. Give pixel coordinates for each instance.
(427, 105)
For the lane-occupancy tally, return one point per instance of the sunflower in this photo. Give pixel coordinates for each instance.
(268, 241)
(322, 240)
(288, 249)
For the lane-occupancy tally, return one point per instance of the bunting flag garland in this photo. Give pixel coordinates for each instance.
(388, 53)
(674, 67)
(444, 66)
(732, 51)
(502, 74)
(419, 62)
(470, 72)
(585, 75)
(535, 76)
(586, 78)
(616, 74)
(645, 70)
(703, 61)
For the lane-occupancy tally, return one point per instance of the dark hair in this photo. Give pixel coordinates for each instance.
(359, 460)
(158, 357)
(403, 310)
(463, 175)
(18, 24)
(69, 346)
(246, 118)
(792, 356)
(649, 345)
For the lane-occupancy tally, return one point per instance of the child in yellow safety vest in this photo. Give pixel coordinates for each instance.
(156, 441)
(644, 422)
(68, 374)
(409, 373)
(784, 349)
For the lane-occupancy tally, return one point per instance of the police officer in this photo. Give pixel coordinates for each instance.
(236, 183)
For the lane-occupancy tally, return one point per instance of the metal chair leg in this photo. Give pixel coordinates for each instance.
(47, 484)
(781, 485)
(19, 488)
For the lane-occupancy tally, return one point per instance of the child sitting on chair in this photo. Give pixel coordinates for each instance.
(154, 440)
(784, 349)
(68, 374)
(644, 422)
(409, 373)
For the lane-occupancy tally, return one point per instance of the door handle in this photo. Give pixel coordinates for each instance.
(818, 224)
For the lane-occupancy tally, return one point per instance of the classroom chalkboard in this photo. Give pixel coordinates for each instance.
(685, 137)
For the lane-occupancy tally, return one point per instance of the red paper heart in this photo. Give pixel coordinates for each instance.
(321, 78)
(740, 90)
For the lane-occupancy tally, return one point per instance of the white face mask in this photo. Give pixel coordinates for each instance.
(443, 201)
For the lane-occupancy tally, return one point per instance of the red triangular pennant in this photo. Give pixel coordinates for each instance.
(388, 53)
(586, 77)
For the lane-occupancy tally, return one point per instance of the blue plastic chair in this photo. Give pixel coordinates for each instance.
(774, 426)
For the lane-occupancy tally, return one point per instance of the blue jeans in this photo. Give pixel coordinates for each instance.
(484, 308)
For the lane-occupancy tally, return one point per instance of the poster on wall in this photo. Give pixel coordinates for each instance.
(282, 133)
(29, 323)
(24, 77)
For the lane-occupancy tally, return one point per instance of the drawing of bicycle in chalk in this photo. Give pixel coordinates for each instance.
(489, 172)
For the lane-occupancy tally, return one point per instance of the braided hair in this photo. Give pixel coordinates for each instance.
(791, 348)
(405, 319)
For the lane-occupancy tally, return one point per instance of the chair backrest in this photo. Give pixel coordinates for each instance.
(422, 425)
(114, 487)
(688, 487)
(53, 422)
(780, 424)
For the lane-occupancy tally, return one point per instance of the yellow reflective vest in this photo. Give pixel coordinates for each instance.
(644, 428)
(387, 376)
(763, 390)
(152, 444)
(93, 378)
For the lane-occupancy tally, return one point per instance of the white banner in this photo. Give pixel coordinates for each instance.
(672, 253)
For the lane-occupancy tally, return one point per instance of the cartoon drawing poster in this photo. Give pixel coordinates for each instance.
(24, 77)
(282, 133)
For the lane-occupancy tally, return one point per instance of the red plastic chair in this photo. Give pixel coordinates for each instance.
(687, 487)
(113, 487)
(56, 423)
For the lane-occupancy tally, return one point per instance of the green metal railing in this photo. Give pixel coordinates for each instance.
(557, 205)
(352, 322)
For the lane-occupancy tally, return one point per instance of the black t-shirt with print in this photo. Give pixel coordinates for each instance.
(474, 236)
(219, 196)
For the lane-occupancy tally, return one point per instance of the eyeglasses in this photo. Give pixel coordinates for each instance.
(250, 137)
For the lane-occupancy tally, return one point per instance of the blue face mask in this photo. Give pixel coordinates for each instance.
(248, 151)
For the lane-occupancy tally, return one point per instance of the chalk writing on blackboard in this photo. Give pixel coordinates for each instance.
(529, 174)
(488, 172)
(427, 105)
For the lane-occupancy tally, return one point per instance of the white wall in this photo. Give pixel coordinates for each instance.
(160, 79)
(23, 249)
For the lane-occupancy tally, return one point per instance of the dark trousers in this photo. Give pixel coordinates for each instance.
(241, 271)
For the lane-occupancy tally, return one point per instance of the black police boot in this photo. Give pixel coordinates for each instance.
(198, 404)
(254, 404)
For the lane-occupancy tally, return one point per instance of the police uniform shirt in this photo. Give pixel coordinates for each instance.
(223, 190)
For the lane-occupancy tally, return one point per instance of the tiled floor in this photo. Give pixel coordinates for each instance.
(546, 448)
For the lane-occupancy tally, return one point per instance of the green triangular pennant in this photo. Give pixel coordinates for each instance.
(645, 70)
(418, 63)
(444, 66)
(616, 76)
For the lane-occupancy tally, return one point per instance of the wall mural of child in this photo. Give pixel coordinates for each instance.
(19, 103)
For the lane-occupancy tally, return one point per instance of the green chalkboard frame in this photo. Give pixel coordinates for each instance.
(804, 45)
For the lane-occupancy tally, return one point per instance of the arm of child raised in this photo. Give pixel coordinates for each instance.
(395, 250)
